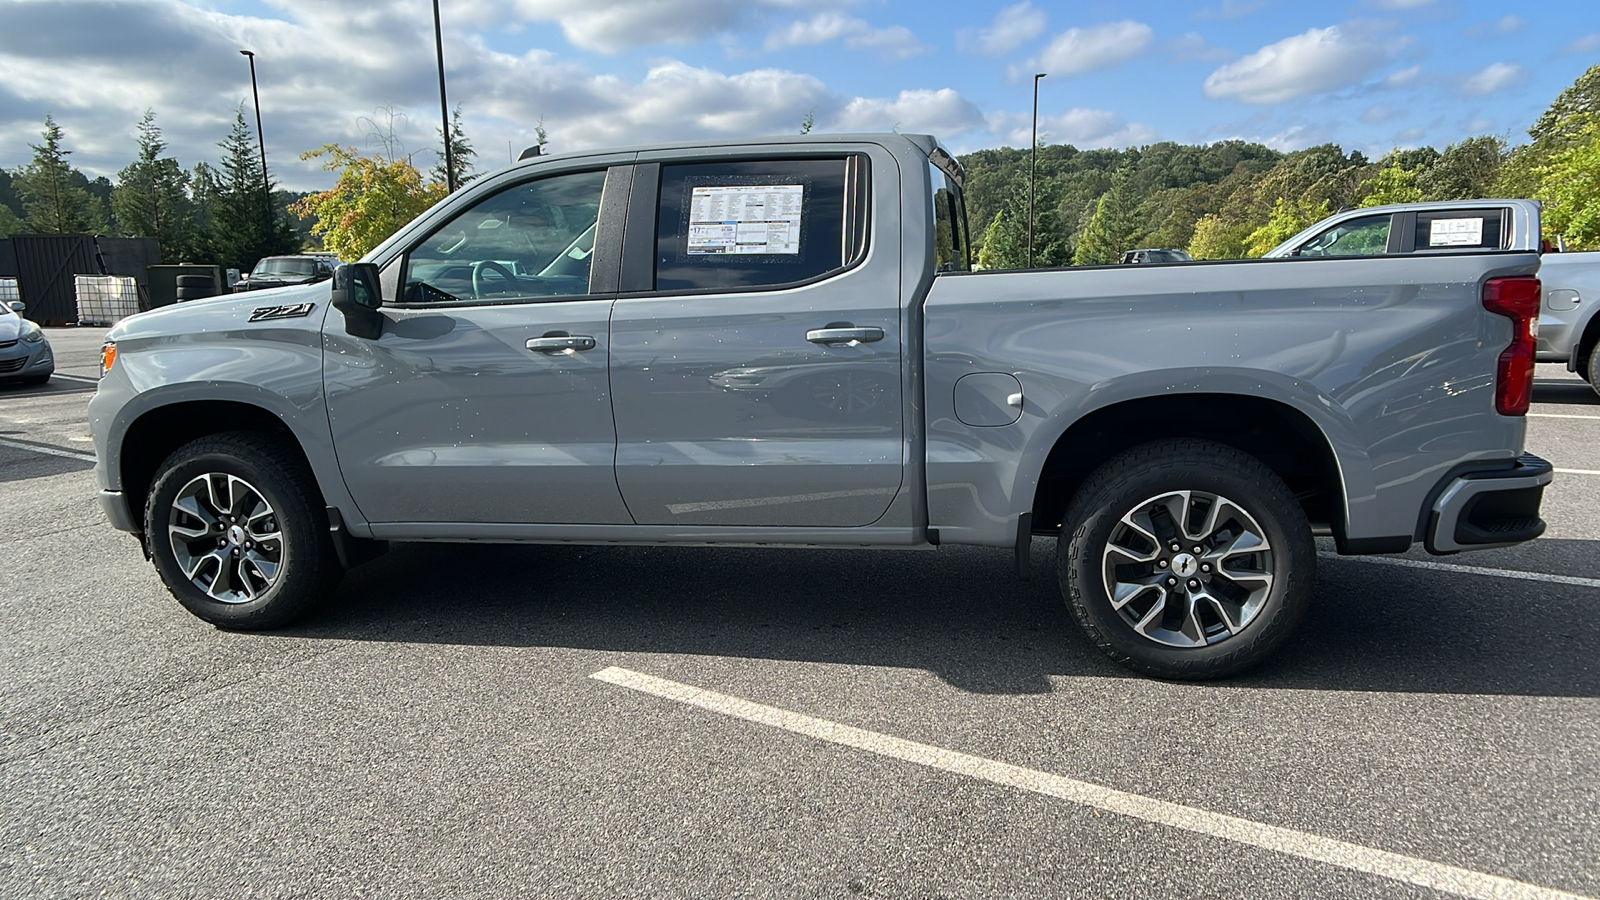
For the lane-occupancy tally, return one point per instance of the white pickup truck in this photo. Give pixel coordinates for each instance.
(1569, 328)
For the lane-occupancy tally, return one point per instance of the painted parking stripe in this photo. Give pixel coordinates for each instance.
(1578, 471)
(1398, 867)
(1559, 416)
(80, 378)
(1469, 570)
(47, 451)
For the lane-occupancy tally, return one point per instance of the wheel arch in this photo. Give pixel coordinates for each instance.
(1282, 437)
(1584, 348)
(162, 424)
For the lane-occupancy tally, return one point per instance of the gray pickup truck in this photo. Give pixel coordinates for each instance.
(780, 342)
(1569, 325)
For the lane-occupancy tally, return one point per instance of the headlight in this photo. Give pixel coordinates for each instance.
(34, 336)
(108, 357)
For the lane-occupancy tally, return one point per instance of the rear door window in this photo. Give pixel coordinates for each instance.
(1460, 229)
(760, 223)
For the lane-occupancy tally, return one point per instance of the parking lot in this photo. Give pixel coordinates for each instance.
(487, 721)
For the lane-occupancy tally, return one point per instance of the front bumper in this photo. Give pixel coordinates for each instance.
(1482, 510)
(21, 359)
(115, 506)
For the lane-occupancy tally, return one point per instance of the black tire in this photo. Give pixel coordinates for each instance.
(307, 567)
(1594, 367)
(1086, 560)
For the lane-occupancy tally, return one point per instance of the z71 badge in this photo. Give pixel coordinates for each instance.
(267, 313)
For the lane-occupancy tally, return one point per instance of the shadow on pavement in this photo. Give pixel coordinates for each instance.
(958, 612)
(1564, 392)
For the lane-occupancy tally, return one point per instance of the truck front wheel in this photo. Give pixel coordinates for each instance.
(1186, 559)
(237, 532)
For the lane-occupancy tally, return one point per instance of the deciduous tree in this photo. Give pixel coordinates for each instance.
(372, 198)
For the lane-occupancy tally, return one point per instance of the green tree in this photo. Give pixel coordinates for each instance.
(1113, 227)
(371, 199)
(1563, 121)
(1216, 238)
(461, 153)
(151, 198)
(1571, 186)
(55, 201)
(1287, 220)
(1465, 171)
(245, 223)
(10, 224)
(1391, 184)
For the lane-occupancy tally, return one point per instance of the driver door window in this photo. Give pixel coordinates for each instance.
(1366, 236)
(530, 241)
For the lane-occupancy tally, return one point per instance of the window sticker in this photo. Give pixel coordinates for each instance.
(745, 219)
(1455, 232)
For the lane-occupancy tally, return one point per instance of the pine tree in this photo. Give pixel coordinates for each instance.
(461, 154)
(245, 226)
(1113, 227)
(54, 203)
(151, 198)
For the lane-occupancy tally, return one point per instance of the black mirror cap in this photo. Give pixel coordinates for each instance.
(356, 294)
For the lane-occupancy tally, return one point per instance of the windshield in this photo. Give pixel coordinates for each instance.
(283, 266)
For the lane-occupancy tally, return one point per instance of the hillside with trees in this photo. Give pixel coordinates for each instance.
(1236, 199)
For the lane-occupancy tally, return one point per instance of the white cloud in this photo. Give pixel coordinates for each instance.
(1192, 46)
(1373, 115)
(616, 25)
(940, 112)
(1012, 27)
(1231, 9)
(1402, 77)
(1078, 50)
(1079, 126)
(895, 42)
(1400, 4)
(1320, 60)
(1482, 125)
(1493, 77)
(1589, 43)
(1510, 24)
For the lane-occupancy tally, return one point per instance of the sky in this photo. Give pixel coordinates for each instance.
(1367, 74)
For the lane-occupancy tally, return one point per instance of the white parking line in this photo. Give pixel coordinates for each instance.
(1469, 570)
(1559, 416)
(1409, 869)
(1578, 471)
(83, 378)
(47, 451)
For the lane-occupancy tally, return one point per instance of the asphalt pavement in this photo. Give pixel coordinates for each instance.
(489, 721)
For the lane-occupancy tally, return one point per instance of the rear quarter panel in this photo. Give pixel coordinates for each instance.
(1392, 358)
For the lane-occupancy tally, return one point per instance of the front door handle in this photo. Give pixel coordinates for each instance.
(844, 333)
(556, 343)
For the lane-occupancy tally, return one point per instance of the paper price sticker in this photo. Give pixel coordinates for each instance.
(1455, 232)
(745, 219)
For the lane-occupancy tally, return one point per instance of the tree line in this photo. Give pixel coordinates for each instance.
(1223, 200)
(1236, 199)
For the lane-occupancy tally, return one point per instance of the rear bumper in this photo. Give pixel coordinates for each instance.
(1482, 510)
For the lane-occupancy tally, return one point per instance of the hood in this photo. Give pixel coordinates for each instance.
(223, 312)
(11, 326)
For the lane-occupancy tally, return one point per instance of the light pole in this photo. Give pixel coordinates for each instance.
(261, 141)
(1033, 162)
(444, 108)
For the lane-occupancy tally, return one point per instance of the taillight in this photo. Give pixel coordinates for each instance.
(1516, 298)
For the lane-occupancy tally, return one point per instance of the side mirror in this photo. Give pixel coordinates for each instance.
(356, 294)
(17, 306)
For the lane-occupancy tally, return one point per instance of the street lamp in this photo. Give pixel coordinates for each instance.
(1033, 162)
(261, 141)
(444, 108)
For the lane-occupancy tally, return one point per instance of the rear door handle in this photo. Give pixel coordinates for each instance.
(555, 343)
(844, 333)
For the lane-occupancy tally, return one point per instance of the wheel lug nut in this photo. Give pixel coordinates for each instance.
(1172, 581)
(1163, 564)
(1176, 548)
(1197, 551)
(1205, 567)
(1193, 584)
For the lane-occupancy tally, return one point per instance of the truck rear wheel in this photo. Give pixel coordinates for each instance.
(1594, 367)
(237, 532)
(1186, 559)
